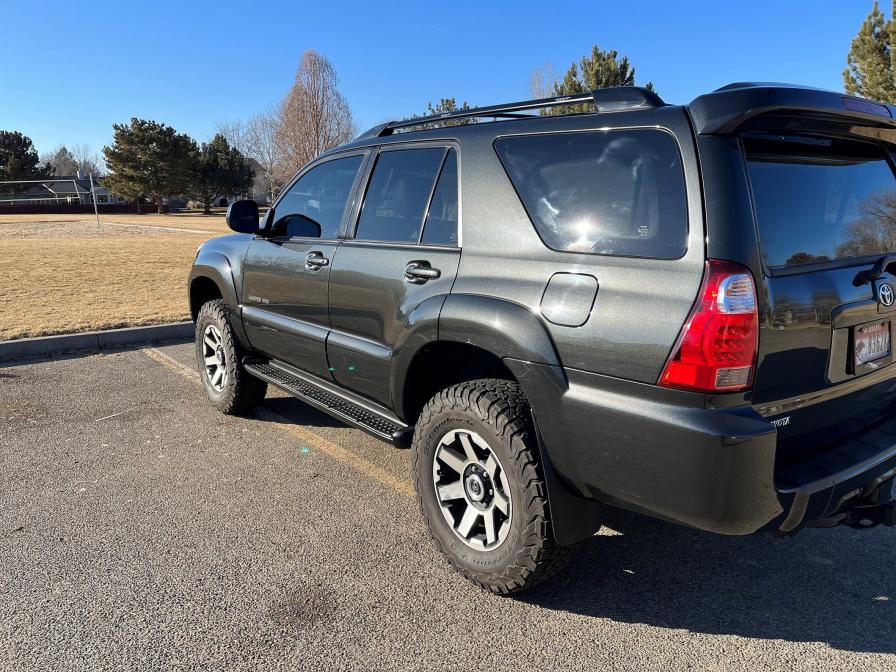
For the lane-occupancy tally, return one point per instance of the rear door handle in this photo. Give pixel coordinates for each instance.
(316, 260)
(419, 272)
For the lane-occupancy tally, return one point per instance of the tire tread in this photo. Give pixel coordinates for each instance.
(502, 405)
(245, 391)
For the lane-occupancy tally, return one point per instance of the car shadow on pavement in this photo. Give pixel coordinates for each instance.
(297, 412)
(835, 586)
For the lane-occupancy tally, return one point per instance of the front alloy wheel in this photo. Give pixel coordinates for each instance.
(228, 385)
(215, 357)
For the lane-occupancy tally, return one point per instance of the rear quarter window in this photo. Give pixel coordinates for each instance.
(602, 192)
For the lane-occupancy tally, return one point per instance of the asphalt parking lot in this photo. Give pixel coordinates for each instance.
(139, 529)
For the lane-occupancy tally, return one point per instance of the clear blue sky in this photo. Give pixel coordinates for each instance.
(70, 70)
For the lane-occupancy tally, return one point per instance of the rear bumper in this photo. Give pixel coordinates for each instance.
(847, 483)
(688, 458)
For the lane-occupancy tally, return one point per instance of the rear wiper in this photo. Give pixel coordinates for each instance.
(880, 267)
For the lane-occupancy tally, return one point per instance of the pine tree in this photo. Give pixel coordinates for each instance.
(871, 62)
(219, 170)
(18, 158)
(600, 70)
(444, 106)
(149, 160)
(63, 161)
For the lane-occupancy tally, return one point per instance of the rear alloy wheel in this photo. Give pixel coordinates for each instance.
(228, 385)
(481, 488)
(472, 490)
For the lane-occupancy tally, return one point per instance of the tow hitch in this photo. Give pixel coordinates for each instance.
(863, 517)
(878, 508)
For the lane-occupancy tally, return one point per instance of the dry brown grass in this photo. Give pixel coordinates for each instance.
(68, 277)
(197, 222)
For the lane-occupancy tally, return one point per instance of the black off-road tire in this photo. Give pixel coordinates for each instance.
(497, 410)
(241, 391)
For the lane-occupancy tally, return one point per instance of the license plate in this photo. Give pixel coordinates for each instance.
(872, 342)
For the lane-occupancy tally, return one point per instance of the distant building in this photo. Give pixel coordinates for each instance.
(62, 189)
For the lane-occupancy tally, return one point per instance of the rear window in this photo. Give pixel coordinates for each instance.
(602, 192)
(821, 199)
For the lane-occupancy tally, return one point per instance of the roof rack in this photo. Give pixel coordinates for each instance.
(612, 99)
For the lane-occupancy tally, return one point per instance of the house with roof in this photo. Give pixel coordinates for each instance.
(61, 190)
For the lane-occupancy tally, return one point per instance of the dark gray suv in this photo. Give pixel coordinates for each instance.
(685, 311)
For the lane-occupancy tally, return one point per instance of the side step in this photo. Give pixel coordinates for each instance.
(341, 404)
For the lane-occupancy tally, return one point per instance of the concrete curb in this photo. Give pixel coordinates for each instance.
(93, 341)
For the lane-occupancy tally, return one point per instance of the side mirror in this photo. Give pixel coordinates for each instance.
(242, 216)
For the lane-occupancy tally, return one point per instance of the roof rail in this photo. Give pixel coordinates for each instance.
(612, 99)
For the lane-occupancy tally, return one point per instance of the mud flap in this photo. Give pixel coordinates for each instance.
(573, 518)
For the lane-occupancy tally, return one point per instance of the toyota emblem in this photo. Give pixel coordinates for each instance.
(885, 294)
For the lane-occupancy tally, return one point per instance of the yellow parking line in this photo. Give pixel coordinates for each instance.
(337, 452)
(298, 431)
(169, 361)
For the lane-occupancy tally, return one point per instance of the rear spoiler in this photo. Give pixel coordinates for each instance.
(730, 107)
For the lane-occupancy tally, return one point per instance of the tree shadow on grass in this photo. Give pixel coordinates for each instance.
(835, 586)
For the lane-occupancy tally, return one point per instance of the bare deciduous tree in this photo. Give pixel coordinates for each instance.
(67, 161)
(314, 115)
(88, 161)
(262, 144)
(875, 232)
(236, 133)
(542, 81)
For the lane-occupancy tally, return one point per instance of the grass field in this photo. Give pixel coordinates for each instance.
(213, 223)
(60, 276)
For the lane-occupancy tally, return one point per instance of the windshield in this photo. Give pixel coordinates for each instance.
(820, 199)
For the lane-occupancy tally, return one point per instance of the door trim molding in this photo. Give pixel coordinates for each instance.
(277, 322)
(365, 346)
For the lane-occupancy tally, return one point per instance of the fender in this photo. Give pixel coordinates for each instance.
(518, 335)
(214, 263)
(502, 327)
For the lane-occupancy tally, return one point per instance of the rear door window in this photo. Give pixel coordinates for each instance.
(441, 219)
(821, 199)
(397, 195)
(602, 192)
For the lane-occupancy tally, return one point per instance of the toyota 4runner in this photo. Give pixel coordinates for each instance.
(684, 311)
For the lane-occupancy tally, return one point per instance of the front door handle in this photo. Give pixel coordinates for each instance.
(316, 260)
(419, 272)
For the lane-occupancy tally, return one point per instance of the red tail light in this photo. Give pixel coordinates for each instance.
(716, 351)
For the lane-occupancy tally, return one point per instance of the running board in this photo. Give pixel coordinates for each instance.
(339, 403)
